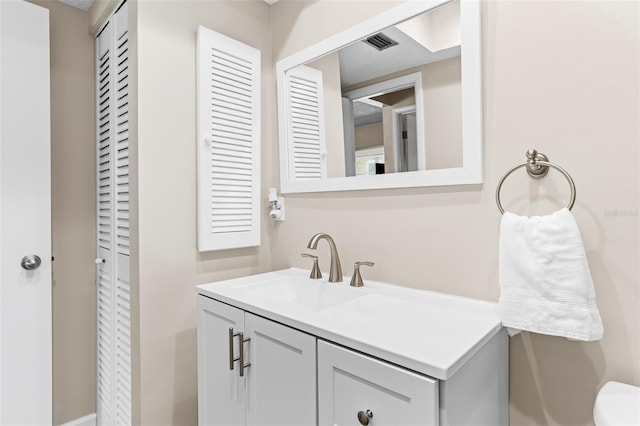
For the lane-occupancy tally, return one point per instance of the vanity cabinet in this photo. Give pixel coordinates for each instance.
(326, 354)
(278, 384)
(352, 385)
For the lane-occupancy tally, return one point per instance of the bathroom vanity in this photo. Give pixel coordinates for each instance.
(282, 349)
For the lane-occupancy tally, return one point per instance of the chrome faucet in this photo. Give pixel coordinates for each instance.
(335, 274)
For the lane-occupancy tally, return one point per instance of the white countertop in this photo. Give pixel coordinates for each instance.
(428, 332)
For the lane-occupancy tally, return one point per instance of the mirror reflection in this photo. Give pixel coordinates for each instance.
(389, 103)
(386, 122)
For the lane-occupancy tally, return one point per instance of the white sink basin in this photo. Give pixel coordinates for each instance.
(300, 293)
(429, 332)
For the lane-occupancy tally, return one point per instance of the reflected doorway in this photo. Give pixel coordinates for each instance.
(381, 126)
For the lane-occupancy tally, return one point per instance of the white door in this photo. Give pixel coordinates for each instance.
(25, 216)
(221, 390)
(281, 380)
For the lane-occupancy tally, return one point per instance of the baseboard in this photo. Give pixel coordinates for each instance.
(89, 420)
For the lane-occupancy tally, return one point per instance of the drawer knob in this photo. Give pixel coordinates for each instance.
(364, 416)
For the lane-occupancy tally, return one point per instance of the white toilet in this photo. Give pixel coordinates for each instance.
(617, 404)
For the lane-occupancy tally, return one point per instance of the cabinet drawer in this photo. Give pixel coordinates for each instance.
(349, 382)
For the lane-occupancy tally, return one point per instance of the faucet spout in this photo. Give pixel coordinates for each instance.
(335, 273)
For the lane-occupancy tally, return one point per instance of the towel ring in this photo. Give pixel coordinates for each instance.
(537, 166)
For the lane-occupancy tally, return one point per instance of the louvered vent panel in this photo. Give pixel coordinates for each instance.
(305, 128)
(304, 93)
(104, 106)
(229, 147)
(105, 340)
(231, 144)
(122, 142)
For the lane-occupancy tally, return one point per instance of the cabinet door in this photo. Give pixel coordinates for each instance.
(349, 382)
(221, 391)
(281, 381)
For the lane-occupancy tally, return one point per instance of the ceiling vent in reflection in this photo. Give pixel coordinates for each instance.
(380, 41)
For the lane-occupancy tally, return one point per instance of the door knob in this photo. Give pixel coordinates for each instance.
(364, 416)
(31, 262)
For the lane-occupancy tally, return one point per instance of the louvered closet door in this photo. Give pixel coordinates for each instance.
(105, 271)
(104, 137)
(113, 288)
(228, 142)
(122, 389)
(307, 149)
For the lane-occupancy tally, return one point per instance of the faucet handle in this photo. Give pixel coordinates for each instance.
(315, 269)
(356, 279)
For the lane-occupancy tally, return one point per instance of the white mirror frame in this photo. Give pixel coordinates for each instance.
(471, 171)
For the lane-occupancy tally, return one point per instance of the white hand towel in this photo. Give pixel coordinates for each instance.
(545, 283)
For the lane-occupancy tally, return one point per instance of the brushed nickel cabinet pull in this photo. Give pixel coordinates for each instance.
(232, 360)
(241, 357)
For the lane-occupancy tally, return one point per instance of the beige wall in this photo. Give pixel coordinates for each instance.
(169, 263)
(442, 97)
(369, 135)
(559, 76)
(72, 211)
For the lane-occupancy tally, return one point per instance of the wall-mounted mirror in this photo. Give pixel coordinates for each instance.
(395, 101)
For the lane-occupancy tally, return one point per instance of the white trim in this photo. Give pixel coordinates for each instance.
(471, 58)
(472, 170)
(371, 102)
(420, 146)
(384, 87)
(88, 420)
